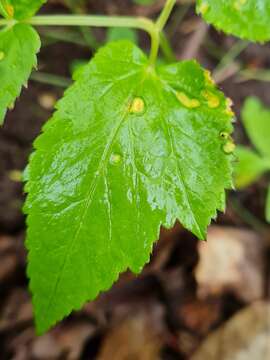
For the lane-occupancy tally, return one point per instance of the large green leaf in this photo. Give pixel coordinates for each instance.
(129, 148)
(20, 9)
(256, 119)
(248, 19)
(18, 47)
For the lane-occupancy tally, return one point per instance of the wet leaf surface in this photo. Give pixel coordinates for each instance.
(129, 148)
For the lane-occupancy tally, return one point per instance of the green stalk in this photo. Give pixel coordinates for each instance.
(165, 14)
(158, 27)
(92, 21)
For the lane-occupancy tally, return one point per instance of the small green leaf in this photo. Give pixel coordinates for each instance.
(130, 148)
(247, 19)
(114, 34)
(268, 206)
(20, 9)
(18, 48)
(256, 119)
(249, 166)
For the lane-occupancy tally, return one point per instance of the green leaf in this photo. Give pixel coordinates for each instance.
(249, 166)
(20, 9)
(129, 148)
(268, 205)
(256, 119)
(247, 19)
(114, 34)
(18, 47)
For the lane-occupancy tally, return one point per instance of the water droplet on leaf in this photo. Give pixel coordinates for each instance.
(187, 102)
(2, 55)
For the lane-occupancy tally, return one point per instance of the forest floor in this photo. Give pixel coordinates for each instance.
(194, 300)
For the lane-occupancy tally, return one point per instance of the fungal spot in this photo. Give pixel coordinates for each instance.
(2, 55)
(228, 144)
(137, 106)
(187, 102)
(212, 100)
(10, 10)
(224, 135)
(229, 147)
(203, 8)
(208, 78)
(115, 159)
(228, 109)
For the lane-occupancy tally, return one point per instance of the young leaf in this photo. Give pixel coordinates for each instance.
(20, 9)
(18, 47)
(256, 119)
(249, 166)
(268, 206)
(129, 148)
(247, 19)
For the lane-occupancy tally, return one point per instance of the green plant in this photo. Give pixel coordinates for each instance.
(252, 164)
(132, 146)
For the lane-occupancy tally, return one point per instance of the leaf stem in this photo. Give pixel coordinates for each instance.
(93, 21)
(87, 20)
(157, 31)
(165, 14)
